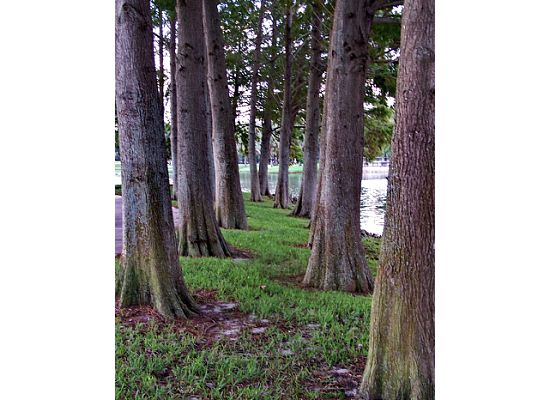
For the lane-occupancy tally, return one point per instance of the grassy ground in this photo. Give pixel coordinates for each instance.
(313, 344)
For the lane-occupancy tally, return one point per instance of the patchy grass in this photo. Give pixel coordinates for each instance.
(278, 342)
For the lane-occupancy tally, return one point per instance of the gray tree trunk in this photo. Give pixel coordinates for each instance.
(311, 145)
(267, 123)
(401, 357)
(173, 108)
(210, 138)
(150, 273)
(281, 190)
(236, 86)
(255, 194)
(337, 260)
(199, 234)
(265, 152)
(229, 202)
(161, 67)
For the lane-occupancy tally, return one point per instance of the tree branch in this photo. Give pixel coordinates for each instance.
(379, 4)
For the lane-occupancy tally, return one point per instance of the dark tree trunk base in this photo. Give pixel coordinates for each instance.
(150, 288)
(337, 261)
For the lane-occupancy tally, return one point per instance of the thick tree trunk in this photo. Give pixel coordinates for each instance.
(161, 67)
(199, 232)
(151, 273)
(337, 260)
(265, 152)
(255, 194)
(173, 108)
(281, 190)
(320, 175)
(229, 202)
(311, 145)
(210, 139)
(401, 359)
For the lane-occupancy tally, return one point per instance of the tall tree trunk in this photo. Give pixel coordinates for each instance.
(267, 125)
(281, 190)
(265, 152)
(150, 273)
(401, 359)
(210, 140)
(311, 145)
(236, 86)
(337, 260)
(161, 67)
(255, 194)
(229, 202)
(199, 233)
(173, 107)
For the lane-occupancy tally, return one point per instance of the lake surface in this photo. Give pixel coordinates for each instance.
(373, 194)
(373, 197)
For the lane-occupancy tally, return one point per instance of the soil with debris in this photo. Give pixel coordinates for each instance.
(221, 320)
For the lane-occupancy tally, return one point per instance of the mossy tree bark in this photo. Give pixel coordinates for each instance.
(281, 190)
(199, 234)
(150, 273)
(401, 359)
(337, 260)
(229, 202)
(311, 144)
(173, 107)
(255, 194)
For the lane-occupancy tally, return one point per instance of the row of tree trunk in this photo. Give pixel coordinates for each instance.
(202, 132)
(401, 349)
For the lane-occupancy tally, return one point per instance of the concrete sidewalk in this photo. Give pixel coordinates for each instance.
(118, 223)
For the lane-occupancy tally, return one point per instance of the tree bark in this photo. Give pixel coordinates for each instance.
(255, 194)
(229, 202)
(311, 145)
(265, 152)
(161, 67)
(401, 359)
(267, 126)
(150, 273)
(281, 190)
(236, 86)
(199, 234)
(337, 260)
(173, 107)
(210, 138)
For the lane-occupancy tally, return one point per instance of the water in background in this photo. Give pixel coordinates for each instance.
(373, 194)
(373, 197)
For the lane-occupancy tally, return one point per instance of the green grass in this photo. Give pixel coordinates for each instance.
(250, 368)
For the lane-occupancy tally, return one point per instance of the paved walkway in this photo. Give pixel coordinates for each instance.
(118, 223)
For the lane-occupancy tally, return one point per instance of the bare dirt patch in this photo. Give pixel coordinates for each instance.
(218, 319)
(342, 378)
(241, 254)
